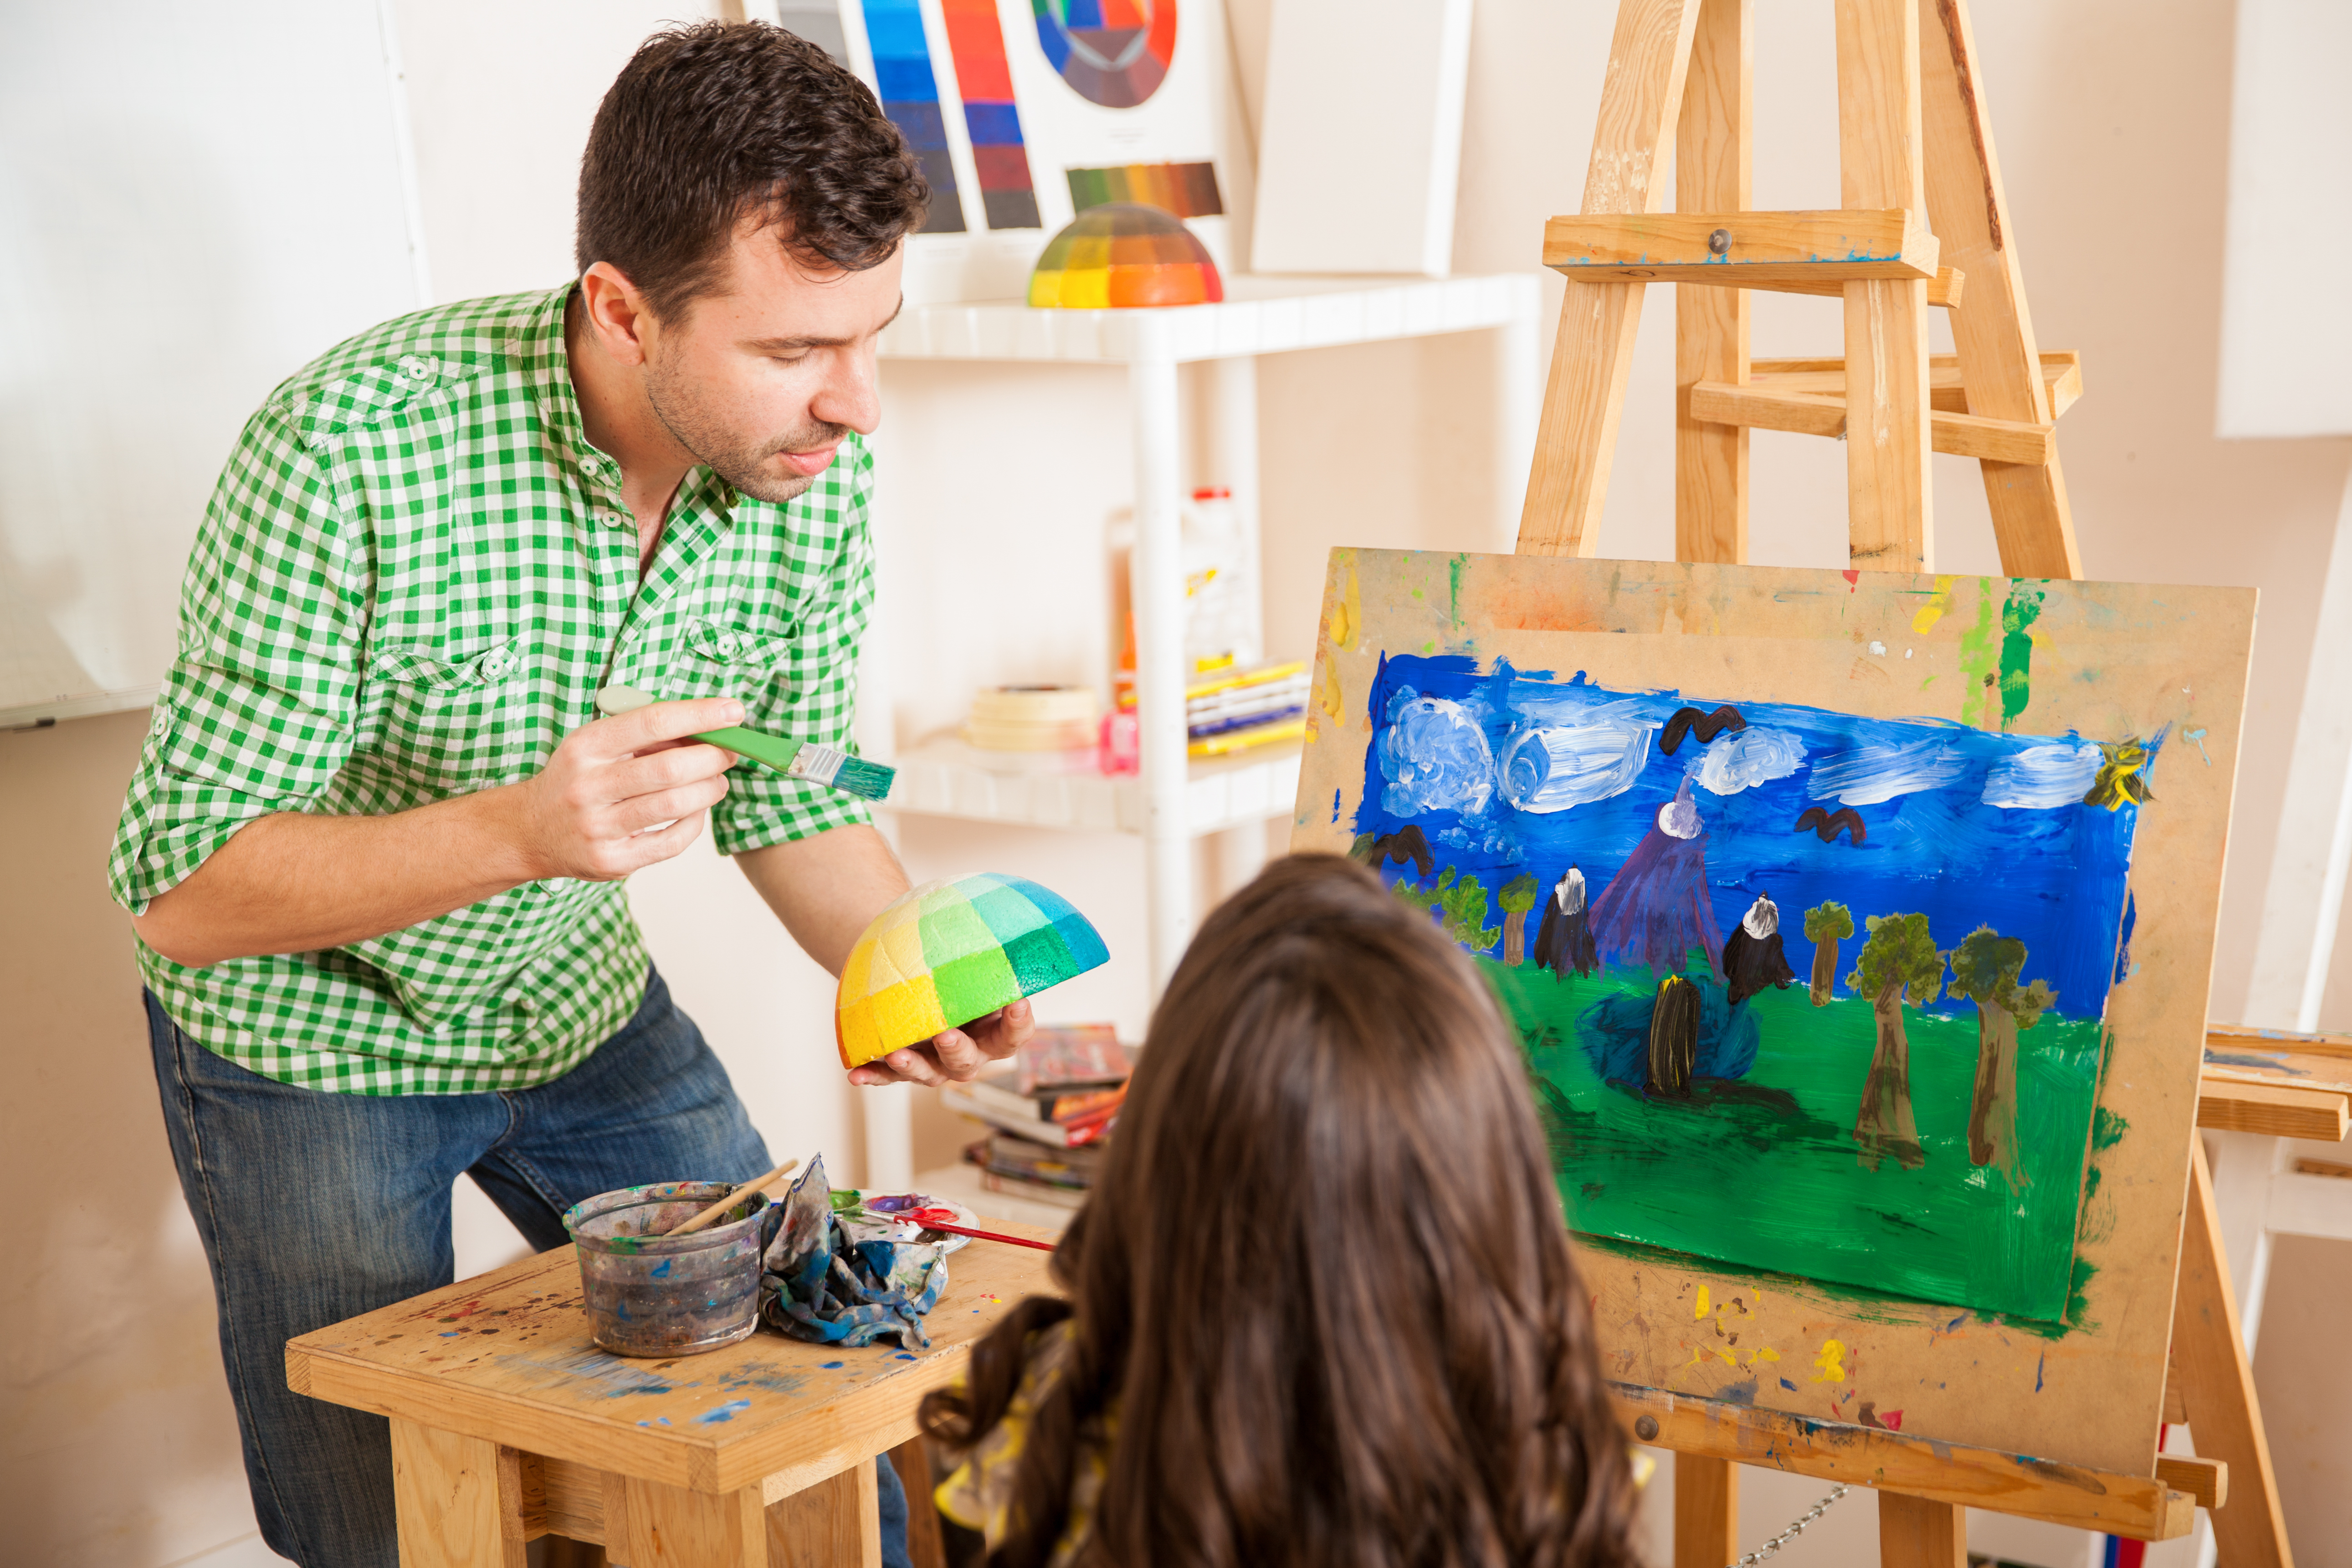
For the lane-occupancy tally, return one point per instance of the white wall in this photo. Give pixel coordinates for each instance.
(2113, 120)
(2290, 196)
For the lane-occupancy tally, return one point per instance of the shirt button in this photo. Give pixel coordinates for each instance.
(416, 367)
(731, 645)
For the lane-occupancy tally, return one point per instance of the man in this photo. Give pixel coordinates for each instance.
(375, 847)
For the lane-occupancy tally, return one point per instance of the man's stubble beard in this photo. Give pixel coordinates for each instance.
(692, 425)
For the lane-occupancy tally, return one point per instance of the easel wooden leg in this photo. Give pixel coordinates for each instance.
(1712, 161)
(1999, 361)
(671, 1526)
(2218, 1386)
(1887, 495)
(2251, 1164)
(1914, 1532)
(836, 1523)
(1706, 1512)
(458, 1500)
(1593, 353)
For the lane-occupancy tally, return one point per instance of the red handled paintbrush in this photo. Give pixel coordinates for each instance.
(945, 1220)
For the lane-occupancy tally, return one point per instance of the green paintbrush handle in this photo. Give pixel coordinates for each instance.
(771, 750)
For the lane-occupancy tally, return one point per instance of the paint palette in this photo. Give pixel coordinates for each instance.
(1123, 254)
(950, 951)
(908, 1214)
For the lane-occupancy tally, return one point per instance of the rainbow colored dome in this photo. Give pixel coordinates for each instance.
(949, 953)
(1122, 254)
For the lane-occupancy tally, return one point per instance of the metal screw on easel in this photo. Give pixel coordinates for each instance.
(1720, 242)
(1794, 1530)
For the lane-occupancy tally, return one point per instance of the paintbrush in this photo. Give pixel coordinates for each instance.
(731, 1200)
(917, 1217)
(796, 759)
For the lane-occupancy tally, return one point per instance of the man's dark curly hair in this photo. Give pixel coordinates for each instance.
(709, 125)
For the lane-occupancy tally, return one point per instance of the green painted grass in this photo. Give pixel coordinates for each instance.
(1762, 1172)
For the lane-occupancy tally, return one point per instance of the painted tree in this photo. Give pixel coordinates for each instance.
(1516, 896)
(1458, 904)
(1673, 1035)
(1826, 925)
(1463, 903)
(1985, 969)
(1900, 961)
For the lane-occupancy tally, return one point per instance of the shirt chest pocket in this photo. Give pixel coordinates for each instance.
(428, 668)
(457, 717)
(720, 660)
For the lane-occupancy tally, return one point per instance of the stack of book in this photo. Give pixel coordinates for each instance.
(1049, 1115)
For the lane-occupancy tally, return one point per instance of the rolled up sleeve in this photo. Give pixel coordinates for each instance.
(255, 714)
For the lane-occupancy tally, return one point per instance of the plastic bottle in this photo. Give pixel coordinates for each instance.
(1217, 583)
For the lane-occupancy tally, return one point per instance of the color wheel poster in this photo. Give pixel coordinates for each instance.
(1024, 112)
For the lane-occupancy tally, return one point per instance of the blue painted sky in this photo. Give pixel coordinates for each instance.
(1508, 771)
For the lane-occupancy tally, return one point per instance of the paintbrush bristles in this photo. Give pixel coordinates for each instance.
(731, 1199)
(818, 764)
(855, 775)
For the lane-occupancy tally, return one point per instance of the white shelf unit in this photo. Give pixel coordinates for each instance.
(1174, 799)
(949, 778)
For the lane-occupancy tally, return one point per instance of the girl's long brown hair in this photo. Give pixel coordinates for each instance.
(1323, 1274)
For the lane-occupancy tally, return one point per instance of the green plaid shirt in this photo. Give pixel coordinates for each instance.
(414, 576)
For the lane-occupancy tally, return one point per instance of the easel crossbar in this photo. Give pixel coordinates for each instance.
(2142, 1508)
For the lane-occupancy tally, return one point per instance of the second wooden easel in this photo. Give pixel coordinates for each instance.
(1923, 224)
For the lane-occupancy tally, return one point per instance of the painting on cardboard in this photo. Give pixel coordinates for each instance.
(1817, 986)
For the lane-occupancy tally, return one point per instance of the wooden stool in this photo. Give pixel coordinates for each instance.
(508, 1424)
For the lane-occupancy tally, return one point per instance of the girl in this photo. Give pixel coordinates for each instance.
(1320, 1308)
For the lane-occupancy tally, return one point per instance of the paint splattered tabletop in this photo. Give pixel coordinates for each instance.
(506, 1356)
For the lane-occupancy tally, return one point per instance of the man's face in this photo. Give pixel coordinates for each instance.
(763, 377)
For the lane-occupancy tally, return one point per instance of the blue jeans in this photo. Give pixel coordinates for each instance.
(315, 1208)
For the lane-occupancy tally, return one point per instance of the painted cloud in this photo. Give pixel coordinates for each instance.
(1555, 767)
(1745, 758)
(2042, 777)
(1434, 757)
(1876, 771)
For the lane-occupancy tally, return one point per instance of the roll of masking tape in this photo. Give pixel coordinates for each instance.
(1033, 718)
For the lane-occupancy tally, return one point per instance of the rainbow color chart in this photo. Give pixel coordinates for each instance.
(1113, 52)
(984, 79)
(910, 97)
(1187, 190)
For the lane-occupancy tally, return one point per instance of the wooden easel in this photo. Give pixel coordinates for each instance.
(1923, 224)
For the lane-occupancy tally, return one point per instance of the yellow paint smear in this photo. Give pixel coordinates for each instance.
(1933, 610)
(1348, 614)
(1829, 1365)
(1701, 1309)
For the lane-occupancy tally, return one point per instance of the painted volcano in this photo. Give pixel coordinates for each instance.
(1656, 910)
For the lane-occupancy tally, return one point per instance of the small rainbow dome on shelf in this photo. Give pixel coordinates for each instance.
(950, 952)
(1122, 254)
